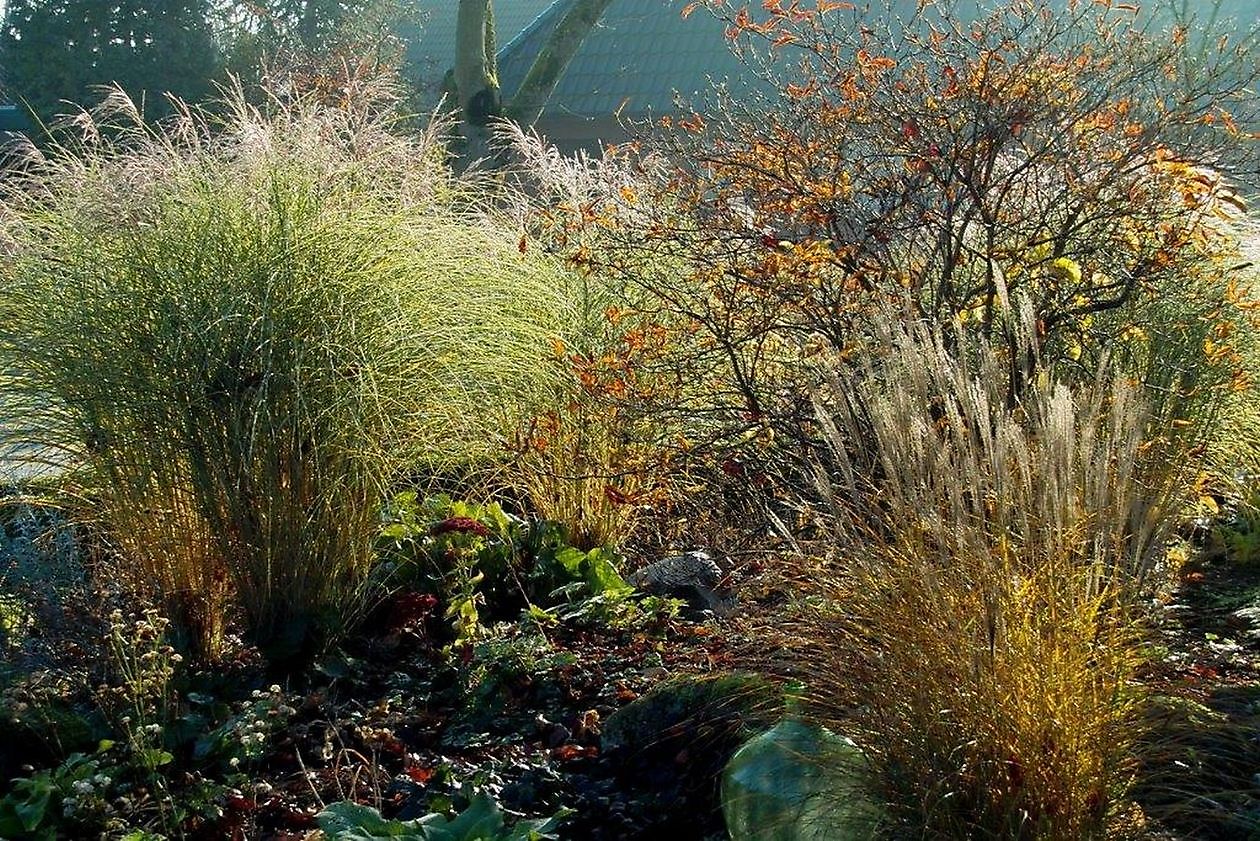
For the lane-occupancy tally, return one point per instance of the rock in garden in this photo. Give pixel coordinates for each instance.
(692, 576)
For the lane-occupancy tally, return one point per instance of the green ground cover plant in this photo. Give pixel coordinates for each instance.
(481, 821)
(478, 559)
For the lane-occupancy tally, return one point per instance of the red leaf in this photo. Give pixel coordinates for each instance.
(567, 753)
(419, 774)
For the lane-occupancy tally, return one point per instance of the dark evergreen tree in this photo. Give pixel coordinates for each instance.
(58, 51)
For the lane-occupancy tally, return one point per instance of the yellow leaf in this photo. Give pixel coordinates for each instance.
(1065, 268)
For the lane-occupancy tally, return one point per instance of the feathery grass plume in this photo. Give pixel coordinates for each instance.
(240, 332)
(984, 629)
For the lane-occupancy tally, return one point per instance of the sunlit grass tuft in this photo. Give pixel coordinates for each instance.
(246, 332)
(984, 629)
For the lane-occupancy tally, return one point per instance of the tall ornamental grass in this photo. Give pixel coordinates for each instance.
(236, 334)
(984, 630)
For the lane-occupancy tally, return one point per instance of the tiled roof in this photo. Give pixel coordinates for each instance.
(643, 51)
(431, 40)
(633, 61)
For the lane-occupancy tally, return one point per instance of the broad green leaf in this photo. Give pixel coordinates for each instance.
(35, 794)
(601, 573)
(346, 821)
(570, 560)
(481, 821)
(154, 758)
(542, 828)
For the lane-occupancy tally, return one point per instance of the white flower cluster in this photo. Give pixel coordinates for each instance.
(87, 795)
(259, 717)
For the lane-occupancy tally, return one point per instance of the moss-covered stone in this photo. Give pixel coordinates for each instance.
(671, 745)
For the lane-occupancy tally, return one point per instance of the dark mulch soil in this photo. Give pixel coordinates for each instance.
(520, 715)
(405, 728)
(398, 723)
(1202, 778)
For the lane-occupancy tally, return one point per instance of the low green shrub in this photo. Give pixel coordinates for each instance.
(482, 820)
(672, 743)
(73, 797)
(486, 564)
(1198, 777)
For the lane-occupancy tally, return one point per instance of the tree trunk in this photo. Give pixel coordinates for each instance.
(308, 26)
(476, 69)
(553, 59)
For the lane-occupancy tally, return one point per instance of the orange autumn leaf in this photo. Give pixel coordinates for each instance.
(420, 774)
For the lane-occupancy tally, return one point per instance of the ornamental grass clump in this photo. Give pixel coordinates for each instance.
(985, 613)
(235, 335)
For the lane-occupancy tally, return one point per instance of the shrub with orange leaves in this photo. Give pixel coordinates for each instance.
(588, 459)
(615, 450)
(1078, 156)
(1045, 189)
